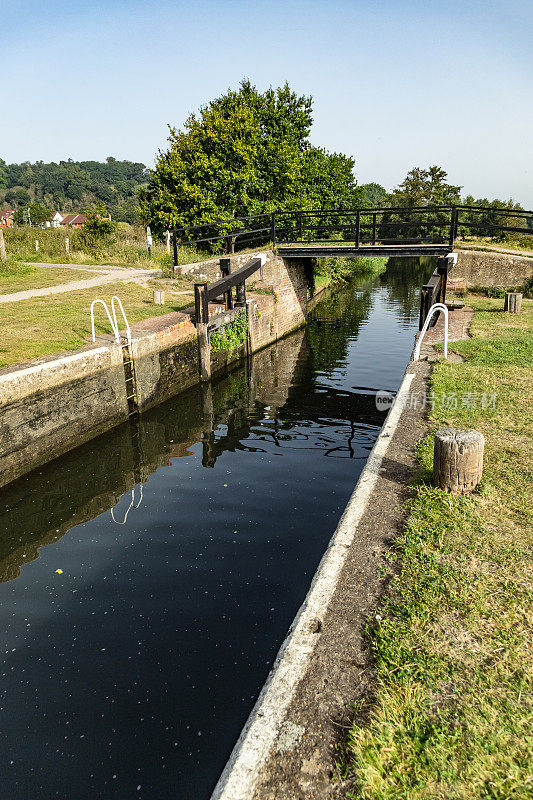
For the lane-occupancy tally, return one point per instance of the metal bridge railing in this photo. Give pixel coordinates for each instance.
(433, 225)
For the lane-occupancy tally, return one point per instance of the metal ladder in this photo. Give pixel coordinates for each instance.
(127, 357)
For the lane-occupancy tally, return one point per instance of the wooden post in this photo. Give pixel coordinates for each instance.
(240, 299)
(167, 241)
(36, 245)
(202, 318)
(225, 269)
(458, 460)
(424, 306)
(3, 254)
(175, 247)
(67, 244)
(357, 228)
(442, 269)
(273, 228)
(513, 302)
(159, 297)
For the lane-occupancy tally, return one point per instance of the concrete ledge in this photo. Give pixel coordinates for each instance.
(267, 721)
(47, 374)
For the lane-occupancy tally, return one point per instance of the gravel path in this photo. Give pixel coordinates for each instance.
(112, 275)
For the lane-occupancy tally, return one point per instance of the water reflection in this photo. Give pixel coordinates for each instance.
(185, 544)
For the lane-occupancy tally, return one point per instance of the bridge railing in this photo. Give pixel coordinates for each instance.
(360, 227)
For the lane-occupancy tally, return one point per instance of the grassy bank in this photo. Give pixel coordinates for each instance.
(125, 247)
(509, 242)
(451, 712)
(43, 326)
(16, 276)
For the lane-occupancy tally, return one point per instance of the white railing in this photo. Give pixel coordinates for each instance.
(435, 307)
(119, 301)
(112, 317)
(111, 322)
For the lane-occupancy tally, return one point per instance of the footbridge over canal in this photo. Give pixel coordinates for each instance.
(306, 235)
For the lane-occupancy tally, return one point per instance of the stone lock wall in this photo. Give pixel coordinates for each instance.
(491, 268)
(56, 404)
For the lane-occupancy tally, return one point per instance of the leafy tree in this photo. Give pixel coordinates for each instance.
(98, 223)
(3, 174)
(39, 213)
(426, 187)
(373, 194)
(245, 153)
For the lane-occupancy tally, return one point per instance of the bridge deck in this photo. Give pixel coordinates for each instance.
(329, 249)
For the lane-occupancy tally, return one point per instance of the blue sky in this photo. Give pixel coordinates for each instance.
(395, 84)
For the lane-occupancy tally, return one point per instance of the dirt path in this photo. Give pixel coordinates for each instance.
(111, 275)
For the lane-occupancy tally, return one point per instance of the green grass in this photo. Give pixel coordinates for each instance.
(126, 248)
(17, 277)
(42, 326)
(451, 712)
(510, 241)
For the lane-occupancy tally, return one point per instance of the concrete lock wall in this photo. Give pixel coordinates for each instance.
(54, 405)
(491, 268)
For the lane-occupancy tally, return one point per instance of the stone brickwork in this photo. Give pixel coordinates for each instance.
(491, 268)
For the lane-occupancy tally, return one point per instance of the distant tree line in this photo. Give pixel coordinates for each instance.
(71, 186)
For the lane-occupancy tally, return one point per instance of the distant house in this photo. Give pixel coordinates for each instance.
(6, 219)
(74, 220)
(55, 221)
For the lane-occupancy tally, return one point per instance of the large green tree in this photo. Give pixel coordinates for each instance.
(426, 187)
(244, 153)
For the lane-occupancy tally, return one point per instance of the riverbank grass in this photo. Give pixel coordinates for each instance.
(46, 325)
(451, 712)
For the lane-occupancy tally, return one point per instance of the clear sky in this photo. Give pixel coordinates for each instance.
(396, 83)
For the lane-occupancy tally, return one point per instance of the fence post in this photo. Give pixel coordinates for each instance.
(373, 229)
(273, 227)
(452, 227)
(202, 318)
(357, 228)
(300, 226)
(225, 269)
(3, 255)
(175, 248)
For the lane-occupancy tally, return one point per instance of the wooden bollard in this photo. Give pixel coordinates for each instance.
(3, 254)
(458, 460)
(159, 297)
(513, 302)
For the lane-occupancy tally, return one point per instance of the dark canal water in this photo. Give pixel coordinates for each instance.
(135, 643)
